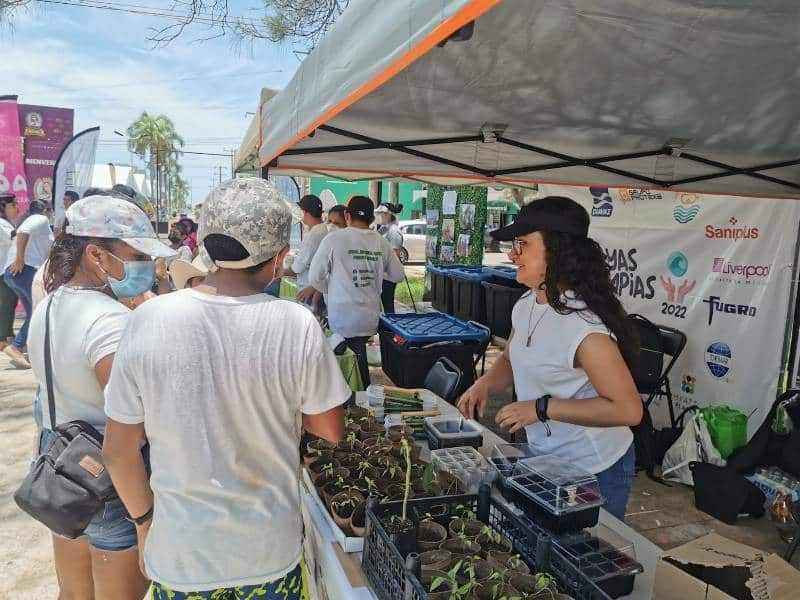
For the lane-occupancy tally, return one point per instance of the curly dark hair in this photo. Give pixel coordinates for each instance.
(578, 263)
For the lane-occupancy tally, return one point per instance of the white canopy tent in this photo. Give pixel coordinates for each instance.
(691, 95)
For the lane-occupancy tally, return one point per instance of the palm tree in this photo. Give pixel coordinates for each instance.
(154, 139)
(180, 195)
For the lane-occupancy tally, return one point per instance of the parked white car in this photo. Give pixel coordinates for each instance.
(413, 249)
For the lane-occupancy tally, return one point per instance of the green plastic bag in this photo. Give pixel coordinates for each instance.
(727, 426)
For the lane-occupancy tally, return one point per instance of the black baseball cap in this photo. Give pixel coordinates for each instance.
(311, 204)
(361, 207)
(553, 213)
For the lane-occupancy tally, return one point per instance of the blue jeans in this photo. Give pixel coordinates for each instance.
(110, 529)
(616, 481)
(21, 284)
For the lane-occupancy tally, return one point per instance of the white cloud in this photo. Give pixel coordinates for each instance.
(101, 65)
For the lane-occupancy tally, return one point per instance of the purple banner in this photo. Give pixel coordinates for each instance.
(46, 130)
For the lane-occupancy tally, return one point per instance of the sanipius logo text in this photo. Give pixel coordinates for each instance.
(687, 207)
(733, 232)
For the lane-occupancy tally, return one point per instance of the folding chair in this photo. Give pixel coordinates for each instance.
(651, 376)
(480, 355)
(443, 379)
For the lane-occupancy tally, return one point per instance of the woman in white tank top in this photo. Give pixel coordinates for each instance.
(568, 351)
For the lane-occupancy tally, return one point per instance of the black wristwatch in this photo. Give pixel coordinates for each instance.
(143, 519)
(541, 407)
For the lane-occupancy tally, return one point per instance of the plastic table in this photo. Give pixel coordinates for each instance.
(338, 575)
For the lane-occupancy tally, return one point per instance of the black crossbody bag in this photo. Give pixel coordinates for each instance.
(68, 484)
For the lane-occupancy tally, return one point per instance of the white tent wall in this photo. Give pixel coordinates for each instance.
(718, 268)
(583, 80)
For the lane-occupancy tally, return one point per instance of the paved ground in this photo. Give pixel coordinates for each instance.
(665, 515)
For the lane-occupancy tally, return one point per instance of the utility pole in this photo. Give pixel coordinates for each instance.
(219, 170)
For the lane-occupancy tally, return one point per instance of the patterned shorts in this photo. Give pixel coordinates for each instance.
(292, 586)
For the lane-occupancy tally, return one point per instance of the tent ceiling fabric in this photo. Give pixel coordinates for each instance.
(716, 81)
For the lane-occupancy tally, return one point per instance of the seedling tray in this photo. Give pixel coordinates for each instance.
(467, 464)
(503, 459)
(446, 432)
(394, 577)
(603, 556)
(562, 496)
(349, 544)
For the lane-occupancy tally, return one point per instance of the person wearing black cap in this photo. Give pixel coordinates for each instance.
(352, 264)
(568, 351)
(317, 230)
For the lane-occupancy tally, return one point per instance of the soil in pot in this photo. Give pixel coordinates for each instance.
(443, 592)
(435, 560)
(450, 485)
(356, 412)
(396, 491)
(322, 466)
(368, 471)
(397, 451)
(358, 519)
(316, 455)
(465, 529)
(483, 570)
(346, 458)
(527, 585)
(318, 444)
(494, 542)
(492, 591)
(332, 489)
(371, 430)
(342, 507)
(461, 548)
(430, 535)
(402, 533)
(351, 443)
(323, 480)
(398, 432)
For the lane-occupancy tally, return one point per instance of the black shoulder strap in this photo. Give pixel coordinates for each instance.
(48, 366)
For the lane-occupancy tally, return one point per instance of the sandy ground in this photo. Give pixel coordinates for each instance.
(26, 557)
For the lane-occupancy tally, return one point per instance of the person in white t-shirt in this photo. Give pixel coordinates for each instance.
(353, 264)
(336, 218)
(26, 254)
(311, 206)
(102, 256)
(568, 350)
(390, 230)
(221, 379)
(8, 299)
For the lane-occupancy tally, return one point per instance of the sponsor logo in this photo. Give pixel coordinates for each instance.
(734, 231)
(603, 206)
(33, 125)
(632, 195)
(678, 264)
(624, 274)
(719, 359)
(687, 207)
(733, 271)
(687, 383)
(715, 305)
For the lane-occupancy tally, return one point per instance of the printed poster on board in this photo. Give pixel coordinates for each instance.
(717, 268)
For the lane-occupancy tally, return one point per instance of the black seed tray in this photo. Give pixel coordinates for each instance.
(563, 523)
(394, 578)
(613, 571)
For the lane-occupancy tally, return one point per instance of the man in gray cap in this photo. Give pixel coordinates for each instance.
(221, 379)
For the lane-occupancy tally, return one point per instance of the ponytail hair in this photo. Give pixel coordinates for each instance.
(65, 257)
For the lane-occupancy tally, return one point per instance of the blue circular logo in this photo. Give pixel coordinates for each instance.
(678, 264)
(718, 359)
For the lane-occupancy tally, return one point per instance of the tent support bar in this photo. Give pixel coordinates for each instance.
(383, 145)
(728, 171)
(370, 143)
(411, 151)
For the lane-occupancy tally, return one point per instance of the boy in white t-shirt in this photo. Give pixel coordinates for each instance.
(222, 379)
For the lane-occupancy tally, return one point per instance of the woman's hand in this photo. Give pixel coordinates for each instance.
(17, 266)
(516, 415)
(141, 537)
(474, 399)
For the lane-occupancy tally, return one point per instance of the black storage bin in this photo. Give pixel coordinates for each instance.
(407, 365)
(441, 290)
(469, 297)
(500, 300)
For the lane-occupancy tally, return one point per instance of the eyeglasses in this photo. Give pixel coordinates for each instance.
(518, 245)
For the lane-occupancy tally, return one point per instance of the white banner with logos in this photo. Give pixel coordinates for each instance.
(74, 167)
(719, 269)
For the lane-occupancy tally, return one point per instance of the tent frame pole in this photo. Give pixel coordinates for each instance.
(563, 160)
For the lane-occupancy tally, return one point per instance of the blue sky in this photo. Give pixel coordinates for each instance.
(100, 63)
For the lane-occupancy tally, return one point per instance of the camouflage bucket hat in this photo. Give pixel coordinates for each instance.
(253, 212)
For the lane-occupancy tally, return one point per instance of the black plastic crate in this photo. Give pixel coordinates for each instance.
(469, 297)
(563, 523)
(441, 290)
(500, 300)
(408, 365)
(394, 578)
